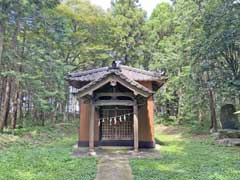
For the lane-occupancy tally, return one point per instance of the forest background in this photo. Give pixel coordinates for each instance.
(196, 43)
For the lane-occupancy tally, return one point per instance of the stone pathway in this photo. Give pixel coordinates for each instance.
(113, 163)
(114, 168)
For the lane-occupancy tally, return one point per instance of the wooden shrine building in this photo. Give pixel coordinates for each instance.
(116, 106)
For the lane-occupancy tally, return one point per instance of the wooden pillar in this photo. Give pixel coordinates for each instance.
(91, 129)
(135, 125)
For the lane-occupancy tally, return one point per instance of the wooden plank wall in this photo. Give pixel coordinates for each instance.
(84, 122)
(146, 117)
(145, 114)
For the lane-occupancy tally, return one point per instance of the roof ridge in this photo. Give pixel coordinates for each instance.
(128, 71)
(151, 73)
(87, 72)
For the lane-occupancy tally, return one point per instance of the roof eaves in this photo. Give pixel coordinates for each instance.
(91, 83)
(121, 76)
(134, 83)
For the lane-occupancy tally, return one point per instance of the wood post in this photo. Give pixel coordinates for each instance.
(91, 129)
(135, 126)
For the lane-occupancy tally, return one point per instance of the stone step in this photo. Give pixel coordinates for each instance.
(229, 141)
(227, 133)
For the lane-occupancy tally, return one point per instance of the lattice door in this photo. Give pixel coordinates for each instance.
(122, 130)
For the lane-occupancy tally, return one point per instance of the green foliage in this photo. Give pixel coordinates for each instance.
(171, 33)
(43, 41)
(219, 45)
(196, 44)
(185, 158)
(128, 36)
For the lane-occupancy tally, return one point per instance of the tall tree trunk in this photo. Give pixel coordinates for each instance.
(1, 41)
(200, 117)
(66, 105)
(42, 118)
(19, 111)
(213, 127)
(168, 108)
(54, 113)
(16, 114)
(15, 100)
(28, 110)
(213, 111)
(8, 108)
(179, 104)
(2, 92)
(1, 52)
(15, 106)
(4, 114)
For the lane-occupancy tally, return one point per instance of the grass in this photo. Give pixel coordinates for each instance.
(43, 154)
(186, 157)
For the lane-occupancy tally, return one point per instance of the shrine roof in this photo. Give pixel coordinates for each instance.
(132, 73)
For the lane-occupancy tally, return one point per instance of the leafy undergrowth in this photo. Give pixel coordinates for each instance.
(35, 135)
(186, 157)
(44, 154)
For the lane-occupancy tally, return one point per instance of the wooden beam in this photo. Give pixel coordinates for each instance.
(136, 90)
(114, 103)
(91, 129)
(135, 125)
(131, 95)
